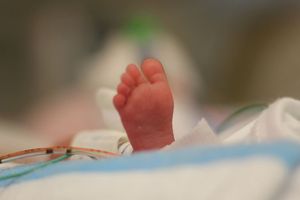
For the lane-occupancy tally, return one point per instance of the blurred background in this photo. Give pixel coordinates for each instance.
(54, 55)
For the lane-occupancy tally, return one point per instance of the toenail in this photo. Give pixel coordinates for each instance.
(147, 60)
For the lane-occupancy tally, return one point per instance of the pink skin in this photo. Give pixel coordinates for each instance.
(145, 104)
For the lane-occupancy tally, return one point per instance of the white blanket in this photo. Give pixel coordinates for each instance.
(260, 172)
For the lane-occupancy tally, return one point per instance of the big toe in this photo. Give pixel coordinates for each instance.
(153, 70)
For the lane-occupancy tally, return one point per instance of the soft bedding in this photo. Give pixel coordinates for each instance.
(253, 171)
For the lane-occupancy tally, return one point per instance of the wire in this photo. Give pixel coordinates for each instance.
(36, 167)
(68, 151)
(93, 153)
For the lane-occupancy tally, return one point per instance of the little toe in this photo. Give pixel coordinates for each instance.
(119, 101)
(123, 89)
(135, 74)
(153, 70)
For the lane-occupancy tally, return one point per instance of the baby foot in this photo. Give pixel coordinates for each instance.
(145, 104)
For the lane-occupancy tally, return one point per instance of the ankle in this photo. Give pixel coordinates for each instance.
(157, 141)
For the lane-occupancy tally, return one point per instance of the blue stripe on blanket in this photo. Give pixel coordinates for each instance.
(285, 152)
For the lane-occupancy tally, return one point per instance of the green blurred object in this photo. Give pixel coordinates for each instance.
(142, 27)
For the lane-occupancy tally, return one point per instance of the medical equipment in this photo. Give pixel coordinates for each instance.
(65, 150)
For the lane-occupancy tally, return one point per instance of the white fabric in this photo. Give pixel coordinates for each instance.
(281, 120)
(292, 192)
(257, 178)
(201, 134)
(111, 117)
(107, 140)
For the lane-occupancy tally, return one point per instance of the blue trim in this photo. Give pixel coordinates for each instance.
(286, 152)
